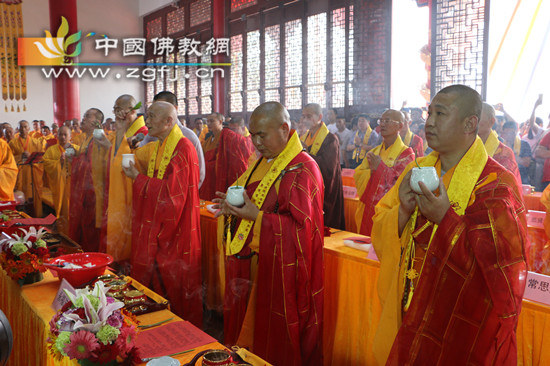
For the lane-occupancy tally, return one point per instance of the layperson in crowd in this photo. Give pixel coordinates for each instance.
(116, 234)
(345, 137)
(324, 149)
(332, 117)
(29, 179)
(166, 241)
(226, 156)
(409, 138)
(8, 172)
(58, 167)
(280, 316)
(523, 156)
(453, 267)
(364, 140)
(87, 186)
(380, 169)
(166, 96)
(495, 148)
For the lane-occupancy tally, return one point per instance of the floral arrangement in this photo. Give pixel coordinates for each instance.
(22, 255)
(93, 328)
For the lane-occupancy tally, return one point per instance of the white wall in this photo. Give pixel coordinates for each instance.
(149, 6)
(117, 19)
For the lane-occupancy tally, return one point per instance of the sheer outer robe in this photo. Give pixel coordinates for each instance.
(87, 185)
(224, 163)
(8, 172)
(329, 163)
(416, 144)
(24, 177)
(116, 231)
(505, 157)
(378, 184)
(60, 183)
(166, 243)
(466, 305)
(289, 305)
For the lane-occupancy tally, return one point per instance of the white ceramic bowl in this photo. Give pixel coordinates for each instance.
(235, 196)
(70, 152)
(98, 132)
(426, 175)
(126, 159)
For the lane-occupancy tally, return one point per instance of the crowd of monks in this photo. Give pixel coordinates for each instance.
(461, 246)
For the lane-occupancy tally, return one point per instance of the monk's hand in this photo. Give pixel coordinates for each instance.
(103, 141)
(131, 171)
(407, 197)
(374, 160)
(431, 206)
(248, 211)
(221, 205)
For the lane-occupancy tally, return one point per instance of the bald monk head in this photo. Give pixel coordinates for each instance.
(23, 129)
(270, 128)
(161, 118)
(124, 112)
(8, 132)
(64, 136)
(390, 123)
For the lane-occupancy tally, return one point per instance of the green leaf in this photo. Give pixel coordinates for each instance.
(77, 50)
(137, 106)
(71, 39)
(63, 28)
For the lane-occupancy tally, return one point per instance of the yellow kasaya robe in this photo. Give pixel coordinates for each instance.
(30, 185)
(116, 231)
(36, 134)
(59, 175)
(78, 138)
(8, 172)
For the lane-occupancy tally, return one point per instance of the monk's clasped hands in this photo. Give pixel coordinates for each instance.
(247, 211)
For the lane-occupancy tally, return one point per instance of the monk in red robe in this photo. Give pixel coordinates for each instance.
(226, 156)
(116, 232)
(409, 138)
(280, 315)
(381, 168)
(87, 185)
(496, 149)
(166, 240)
(324, 148)
(453, 270)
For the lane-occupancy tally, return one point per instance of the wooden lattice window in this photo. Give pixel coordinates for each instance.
(293, 64)
(201, 12)
(175, 21)
(236, 77)
(272, 71)
(252, 70)
(237, 5)
(181, 91)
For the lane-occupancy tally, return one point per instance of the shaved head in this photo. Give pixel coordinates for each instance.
(126, 100)
(273, 112)
(161, 118)
(270, 129)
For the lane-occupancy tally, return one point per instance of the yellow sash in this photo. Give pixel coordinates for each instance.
(171, 142)
(359, 153)
(292, 149)
(491, 145)
(517, 145)
(461, 186)
(408, 138)
(136, 125)
(323, 132)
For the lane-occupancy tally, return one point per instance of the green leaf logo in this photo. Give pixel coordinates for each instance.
(57, 48)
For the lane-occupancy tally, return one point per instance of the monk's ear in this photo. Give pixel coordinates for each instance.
(470, 124)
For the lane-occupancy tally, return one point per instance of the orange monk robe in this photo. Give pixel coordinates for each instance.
(281, 317)
(30, 185)
(467, 277)
(116, 230)
(202, 135)
(59, 175)
(166, 237)
(87, 188)
(372, 186)
(77, 138)
(503, 155)
(226, 158)
(36, 134)
(8, 172)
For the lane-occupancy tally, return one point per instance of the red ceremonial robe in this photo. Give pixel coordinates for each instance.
(505, 157)
(289, 302)
(465, 309)
(328, 159)
(417, 145)
(380, 182)
(225, 163)
(166, 238)
(86, 203)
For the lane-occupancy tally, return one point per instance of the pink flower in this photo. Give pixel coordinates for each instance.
(82, 344)
(125, 340)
